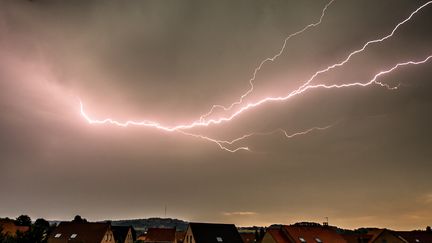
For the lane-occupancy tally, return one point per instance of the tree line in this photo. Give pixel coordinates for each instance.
(38, 231)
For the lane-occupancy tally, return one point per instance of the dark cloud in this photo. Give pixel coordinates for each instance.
(170, 62)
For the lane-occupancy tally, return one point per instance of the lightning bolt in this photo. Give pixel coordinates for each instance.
(221, 143)
(279, 130)
(202, 122)
(316, 74)
(181, 128)
(249, 106)
(268, 59)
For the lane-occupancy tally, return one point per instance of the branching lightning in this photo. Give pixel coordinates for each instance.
(268, 59)
(227, 144)
(316, 74)
(223, 143)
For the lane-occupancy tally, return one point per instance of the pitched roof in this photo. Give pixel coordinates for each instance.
(120, 232)
(180, 235)
(160, 235)
(357, 237)
(248, 237)
(415, 236)
(215, 233)
(85, 232)
(316, 234)
(278, 235)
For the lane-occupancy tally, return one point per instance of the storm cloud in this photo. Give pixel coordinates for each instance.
(170, 62)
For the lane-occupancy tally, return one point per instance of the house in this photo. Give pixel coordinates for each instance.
(248, 237)
(416, 236)
(212, 233)
(160, 235)
(298, 233)
(386, 236)
(8, 227)
(357, 237)
(123, 234)
(74, 232)
(141, 237)
(180, 235)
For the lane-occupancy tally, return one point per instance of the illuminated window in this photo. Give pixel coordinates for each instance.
(318, 240)
(219, 239)
(302, 239)
(57, 236)
(73, 236)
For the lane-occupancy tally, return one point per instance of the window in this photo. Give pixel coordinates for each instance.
(302, 239)
(318, 240)
(73, 236)
(219, 239)
(57, 236)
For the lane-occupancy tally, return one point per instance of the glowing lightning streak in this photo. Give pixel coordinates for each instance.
(332, 66)
(221, 142)
(201, 122)
(268, 59)
(284, 132)
(248, 106)
(363, 48)
(218, 142)
(372, 81)
(300, 90)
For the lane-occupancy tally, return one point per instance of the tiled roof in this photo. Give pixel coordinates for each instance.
(415, 236)
(180, 235)
(215, 233)
(357, 238)
(248, 237)
(83, 232)
(160, 235)
(316, 234)
(278, 235)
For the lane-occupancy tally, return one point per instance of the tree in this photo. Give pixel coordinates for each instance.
(79, 219)
(40, 230)
(23, 220)
(257, 237)
(2, 236)
(41, 223)
(262, 233)
(428, 229)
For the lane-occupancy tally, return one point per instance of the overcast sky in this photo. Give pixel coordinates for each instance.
(169, 62)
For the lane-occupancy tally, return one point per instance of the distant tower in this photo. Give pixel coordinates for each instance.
(326, 223)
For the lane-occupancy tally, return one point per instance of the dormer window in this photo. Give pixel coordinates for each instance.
(73, 236)
(219, 239)
(318, 240)
(302, 240)
(57, 236)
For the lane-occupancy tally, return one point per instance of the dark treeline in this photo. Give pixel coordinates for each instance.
(36, 232)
